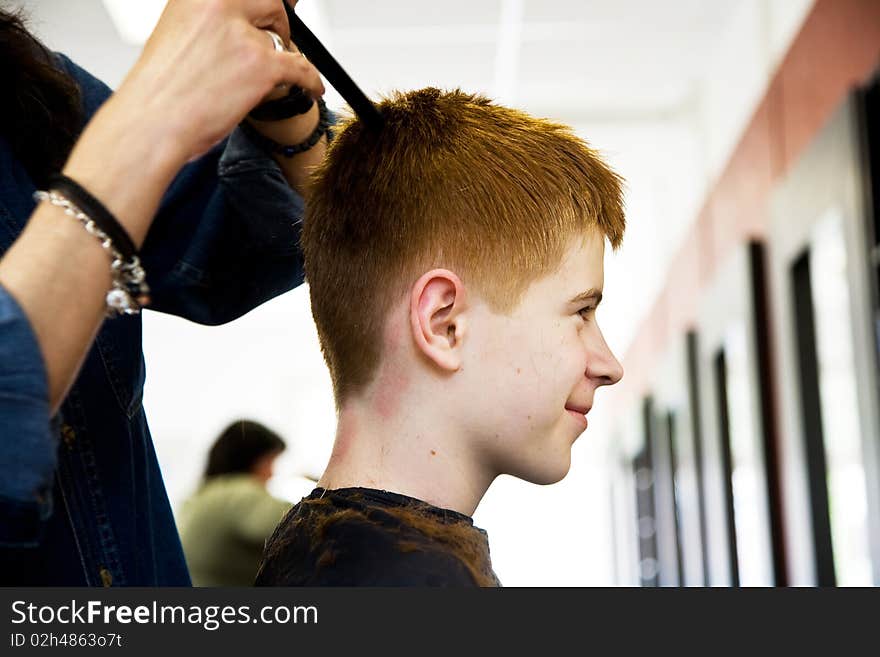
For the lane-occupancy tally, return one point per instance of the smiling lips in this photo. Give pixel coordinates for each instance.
(578, 412)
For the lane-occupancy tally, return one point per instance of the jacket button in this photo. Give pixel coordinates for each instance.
(106, 577)
(68, 435)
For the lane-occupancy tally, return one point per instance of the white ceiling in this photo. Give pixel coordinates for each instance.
(576, 59)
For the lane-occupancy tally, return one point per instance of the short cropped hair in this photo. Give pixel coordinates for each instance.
(451, 180)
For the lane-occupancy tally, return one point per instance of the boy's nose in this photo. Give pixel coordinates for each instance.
(603, 366)
(615, 370)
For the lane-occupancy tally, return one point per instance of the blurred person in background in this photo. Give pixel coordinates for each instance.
(224, 525)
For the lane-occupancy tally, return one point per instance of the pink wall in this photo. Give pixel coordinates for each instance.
(837, 49)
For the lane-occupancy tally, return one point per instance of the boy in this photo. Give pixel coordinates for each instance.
(455, 262)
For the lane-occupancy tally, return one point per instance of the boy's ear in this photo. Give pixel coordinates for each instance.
(437, 305)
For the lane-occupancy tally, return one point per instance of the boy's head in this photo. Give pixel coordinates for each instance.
(457, 256)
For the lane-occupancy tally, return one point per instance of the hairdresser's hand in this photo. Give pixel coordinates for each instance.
(210, 61)
(294, 130)
(207, 63)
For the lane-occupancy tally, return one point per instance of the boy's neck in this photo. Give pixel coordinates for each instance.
(426, 461)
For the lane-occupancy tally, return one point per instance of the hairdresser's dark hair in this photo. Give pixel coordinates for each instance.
(240, 446)
(41, 114)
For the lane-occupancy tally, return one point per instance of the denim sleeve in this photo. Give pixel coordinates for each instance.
(27, 443)
(226, 237)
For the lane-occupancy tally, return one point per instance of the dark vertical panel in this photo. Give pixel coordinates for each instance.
(720, 370)
(617, 540)
(664, 496)
(697, 430)
(676, 506)
(770, 434)
(811, 416)
(645, 511)
(869, 125)
(869, 130)
(647, 522)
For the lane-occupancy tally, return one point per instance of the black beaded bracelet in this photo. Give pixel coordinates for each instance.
(96, 211)
(274, 147)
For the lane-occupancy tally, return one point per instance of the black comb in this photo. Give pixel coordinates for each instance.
(318, 55)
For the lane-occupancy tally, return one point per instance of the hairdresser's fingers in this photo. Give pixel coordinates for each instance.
(258, 11)
(270, 15)
(202, 51)
(295, 69)
(275, 20)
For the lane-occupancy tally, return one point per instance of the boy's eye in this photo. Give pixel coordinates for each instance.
(587, 310)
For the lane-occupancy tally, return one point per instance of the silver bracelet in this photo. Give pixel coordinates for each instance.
(129, 291)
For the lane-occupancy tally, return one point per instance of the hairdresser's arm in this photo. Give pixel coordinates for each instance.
(56, 271)
(295, 130)
(164, 113)
(226, 237)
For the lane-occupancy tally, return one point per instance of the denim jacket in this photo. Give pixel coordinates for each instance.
(82, 501)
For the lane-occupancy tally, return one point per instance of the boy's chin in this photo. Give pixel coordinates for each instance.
(547, 473)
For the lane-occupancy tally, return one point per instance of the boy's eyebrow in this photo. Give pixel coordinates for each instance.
(592, 293)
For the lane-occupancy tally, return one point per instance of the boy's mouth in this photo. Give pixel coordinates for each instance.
(580, 410)
(579, 413)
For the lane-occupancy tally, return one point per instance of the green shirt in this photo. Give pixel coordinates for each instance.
(223, 527)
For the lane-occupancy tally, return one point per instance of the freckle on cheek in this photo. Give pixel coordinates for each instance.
(433, 453)
(518, 370)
